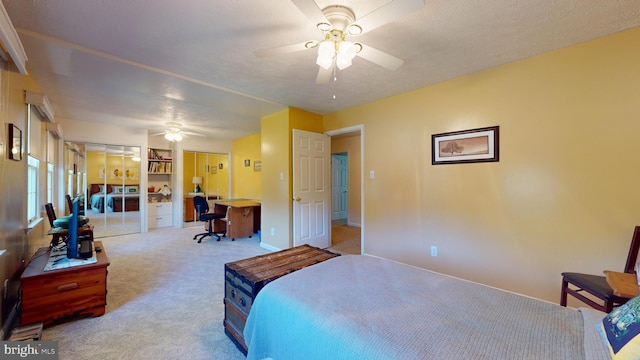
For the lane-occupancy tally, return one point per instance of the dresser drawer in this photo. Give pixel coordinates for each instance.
(158, 221)
(161, 208)
(66, 284)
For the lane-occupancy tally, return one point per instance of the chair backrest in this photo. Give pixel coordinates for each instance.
(69, 203)
(200, 204)
(633, 252)
(51, 214)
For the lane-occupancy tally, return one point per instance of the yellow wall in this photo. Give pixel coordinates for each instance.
(563, 196)
(276, 172)
(247, 183)
(275, 200)
(96, 163)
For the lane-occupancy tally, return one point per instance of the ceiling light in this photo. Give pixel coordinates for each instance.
(326, 52)
(173, 132)
(346, 53)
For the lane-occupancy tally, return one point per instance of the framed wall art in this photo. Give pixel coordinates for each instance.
(467, 146)
(14, 143)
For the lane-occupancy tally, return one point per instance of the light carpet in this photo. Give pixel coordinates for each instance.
(164, 301)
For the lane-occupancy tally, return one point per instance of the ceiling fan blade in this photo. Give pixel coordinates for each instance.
(311, 10)
(156, 134)
(392, 11)
(380, 58)
(280, 50)
(190, 133)
(324, 75)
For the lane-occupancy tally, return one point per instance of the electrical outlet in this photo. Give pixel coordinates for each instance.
(434, 250)
(273, 231)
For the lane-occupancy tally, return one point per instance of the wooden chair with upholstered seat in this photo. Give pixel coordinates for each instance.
(51, 215)
(575, 284)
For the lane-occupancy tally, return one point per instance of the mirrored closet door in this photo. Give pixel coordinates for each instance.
(109, 181)
(206, 175)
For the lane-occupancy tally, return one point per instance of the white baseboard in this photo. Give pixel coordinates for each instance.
(269, 247)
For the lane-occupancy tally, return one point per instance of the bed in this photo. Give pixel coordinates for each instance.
(110, 197)
(362, 307)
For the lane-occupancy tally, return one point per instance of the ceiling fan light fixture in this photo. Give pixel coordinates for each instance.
(326, 52)
(173, 132)
(346, 53)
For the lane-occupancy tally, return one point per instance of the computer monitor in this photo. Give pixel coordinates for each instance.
(72, 238)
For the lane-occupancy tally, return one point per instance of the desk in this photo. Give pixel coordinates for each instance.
(55, 295)
(243, 217)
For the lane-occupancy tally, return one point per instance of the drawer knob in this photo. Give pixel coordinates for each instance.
(243, 302)
(233, 293)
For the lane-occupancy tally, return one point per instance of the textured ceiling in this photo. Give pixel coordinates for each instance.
(144, 63)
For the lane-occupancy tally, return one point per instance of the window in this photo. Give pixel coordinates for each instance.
(33, 168)
(51, 171)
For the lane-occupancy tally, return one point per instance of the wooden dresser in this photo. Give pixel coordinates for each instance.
(245, 278)
(56, 295)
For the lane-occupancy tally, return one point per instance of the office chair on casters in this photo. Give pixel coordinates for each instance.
(597, 286)
(204, 215)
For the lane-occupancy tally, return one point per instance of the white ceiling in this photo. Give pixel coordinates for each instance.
(144, 63)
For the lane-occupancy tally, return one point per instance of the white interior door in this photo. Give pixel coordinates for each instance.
(311, 188)
(339, 186)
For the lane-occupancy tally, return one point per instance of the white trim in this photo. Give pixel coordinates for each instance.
(11, 41)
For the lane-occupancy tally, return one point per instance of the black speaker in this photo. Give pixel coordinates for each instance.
(86, 249)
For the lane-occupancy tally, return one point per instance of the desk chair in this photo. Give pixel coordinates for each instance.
(575, 283)
(51, 214)
(202, 208)
(70, 204)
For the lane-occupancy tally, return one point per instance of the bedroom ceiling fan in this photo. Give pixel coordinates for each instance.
(174, 132)
(338, 23)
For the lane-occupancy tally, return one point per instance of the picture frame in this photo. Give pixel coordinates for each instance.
(257, 166)
(466, 146)
(247, 162)
(14, 143)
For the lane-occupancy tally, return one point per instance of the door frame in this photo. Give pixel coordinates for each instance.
(347, 130)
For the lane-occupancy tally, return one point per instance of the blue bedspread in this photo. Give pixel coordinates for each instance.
(359, 307)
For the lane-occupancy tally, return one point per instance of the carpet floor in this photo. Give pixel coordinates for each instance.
(164, 301)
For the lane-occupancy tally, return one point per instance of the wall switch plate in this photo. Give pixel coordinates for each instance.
(371, 174)
(273, 231)
(434, 250)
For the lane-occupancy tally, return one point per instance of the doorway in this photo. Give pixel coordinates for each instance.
(347, 202)
(204, 174)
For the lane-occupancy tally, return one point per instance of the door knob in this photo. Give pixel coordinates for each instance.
(297, 198)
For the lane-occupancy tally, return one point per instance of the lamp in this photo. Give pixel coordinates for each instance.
(197, 180)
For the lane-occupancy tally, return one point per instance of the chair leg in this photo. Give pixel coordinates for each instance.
(563, 293)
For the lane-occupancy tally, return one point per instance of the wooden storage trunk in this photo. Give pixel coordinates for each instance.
(245, 278)
(57, 295)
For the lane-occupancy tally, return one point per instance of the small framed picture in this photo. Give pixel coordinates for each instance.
(467, 146)
(247, 162)
(257, 166)
(14, 143)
